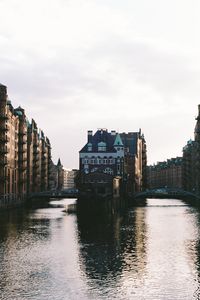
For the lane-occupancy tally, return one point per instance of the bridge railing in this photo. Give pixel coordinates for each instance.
(54, 194)
(162, 192)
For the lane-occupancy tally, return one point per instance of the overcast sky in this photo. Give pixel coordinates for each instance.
(78, 65)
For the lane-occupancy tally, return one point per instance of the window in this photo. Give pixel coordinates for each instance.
(102, 147)
(89, 147)
(108, 171)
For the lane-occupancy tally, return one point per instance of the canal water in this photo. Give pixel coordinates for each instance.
(149, 252)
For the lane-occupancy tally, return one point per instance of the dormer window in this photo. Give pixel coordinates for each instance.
(101, 147)
(89, 147)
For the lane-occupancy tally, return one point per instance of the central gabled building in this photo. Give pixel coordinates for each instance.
(112, 163)
(103, 153)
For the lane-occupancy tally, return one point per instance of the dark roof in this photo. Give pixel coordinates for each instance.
(59, 163)
(101, 136)
(130, 141)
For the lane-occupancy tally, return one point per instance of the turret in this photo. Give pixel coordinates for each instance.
(197, 127)
(118, 144)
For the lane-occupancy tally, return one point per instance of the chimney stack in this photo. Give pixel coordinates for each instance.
(199, 110)
(113, 132)
(90, 136)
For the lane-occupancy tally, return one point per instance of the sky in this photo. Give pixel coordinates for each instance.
(79, 65)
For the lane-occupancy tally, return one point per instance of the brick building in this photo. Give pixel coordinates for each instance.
(165, 174)
(25, 154)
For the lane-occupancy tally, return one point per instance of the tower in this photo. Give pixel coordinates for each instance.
(60, 175)
(119, 147)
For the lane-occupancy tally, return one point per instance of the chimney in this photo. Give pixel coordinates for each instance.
(113, 132)
(3, 92)
(89, 136)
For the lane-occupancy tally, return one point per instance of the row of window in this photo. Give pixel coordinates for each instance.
(95, 181)
(106, 170)
(98, 161)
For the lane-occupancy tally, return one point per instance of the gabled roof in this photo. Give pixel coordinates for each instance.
(100, 136)
(118, 141)
(59, 163)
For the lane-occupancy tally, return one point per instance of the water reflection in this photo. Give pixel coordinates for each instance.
(113, 248)
(150, 252)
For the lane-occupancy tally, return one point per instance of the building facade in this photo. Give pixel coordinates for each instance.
(69, 178)
(25, 154)
(110, 159)
(191, 161)
(166, 174)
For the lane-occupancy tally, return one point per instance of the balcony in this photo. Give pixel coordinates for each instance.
(36, 163)
(3, 178)
(22, 142)
(35, 170)
(22, 180)
(35, 145)
(3, 162)
(35, 152)
(22, 150)
(4, 129)
(22, 133)
(3, 150)
(21, 160)
(3, 117)
(35, 160)
(4, 139)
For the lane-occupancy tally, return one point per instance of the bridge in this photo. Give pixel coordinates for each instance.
(71, 193)
(166, 193)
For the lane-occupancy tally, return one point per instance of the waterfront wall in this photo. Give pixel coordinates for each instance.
(11, 201)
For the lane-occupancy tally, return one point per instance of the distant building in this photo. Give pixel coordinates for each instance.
(191, 161)
(109, 158)
(53, 180)
(60, 175)
(69, 178)
(165, 174)
(57, 174)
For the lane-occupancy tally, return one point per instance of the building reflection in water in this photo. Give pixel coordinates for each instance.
(23, 235)
(193, 247)
(113, 246)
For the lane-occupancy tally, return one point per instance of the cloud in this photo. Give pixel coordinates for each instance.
(78, 65)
